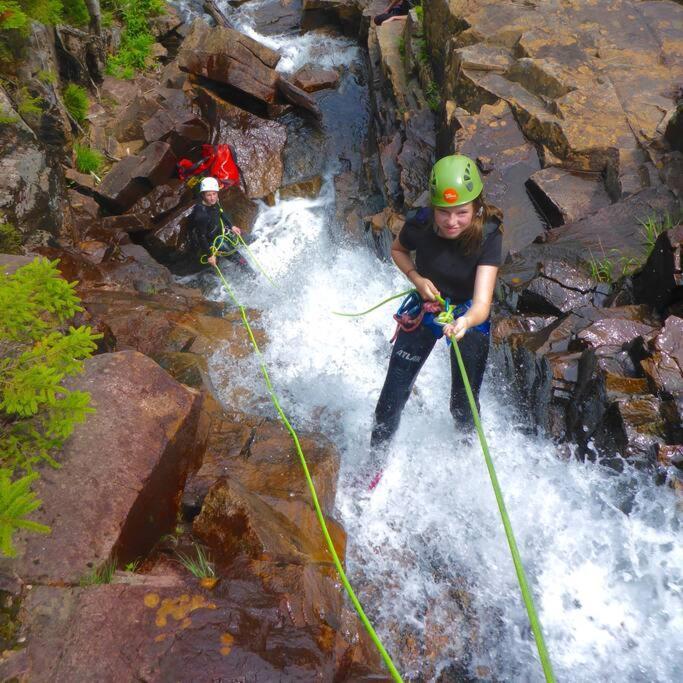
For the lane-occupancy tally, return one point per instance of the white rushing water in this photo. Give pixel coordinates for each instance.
(602, 551)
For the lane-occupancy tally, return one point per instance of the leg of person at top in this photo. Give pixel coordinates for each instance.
(474, 349)
(409, 354)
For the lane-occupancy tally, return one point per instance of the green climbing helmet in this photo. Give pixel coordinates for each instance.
(455, 180)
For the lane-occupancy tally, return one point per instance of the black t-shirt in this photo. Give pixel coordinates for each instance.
(204, 224)
(443, 261)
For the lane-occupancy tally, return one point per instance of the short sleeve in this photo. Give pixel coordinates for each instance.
(492, 250)
(408, 236)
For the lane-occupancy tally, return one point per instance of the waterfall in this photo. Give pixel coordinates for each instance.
(602, 550)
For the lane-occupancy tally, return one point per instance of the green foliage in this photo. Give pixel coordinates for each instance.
(132, 566)
(100, 575)
(654, 226)
(75, 13)
(12, 16)
(16, 502)
(433, 96)
(136, 40)
(10, 239)
(37, 413)
(611, 268)
(76, 101)
(200, 566)
(419, 11)
(47, 77)
(27, 105)
(45, 11)
(402, 47)
(7, 118)
(88, 160)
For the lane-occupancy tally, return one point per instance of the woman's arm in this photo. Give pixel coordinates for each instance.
(484, 284)
(401, 256)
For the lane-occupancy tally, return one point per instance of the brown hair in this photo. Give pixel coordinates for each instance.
(472, 238)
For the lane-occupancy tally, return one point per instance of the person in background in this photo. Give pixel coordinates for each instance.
(208, 221)
(458, 248)
(395, 9)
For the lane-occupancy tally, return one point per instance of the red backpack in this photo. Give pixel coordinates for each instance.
(218, 161)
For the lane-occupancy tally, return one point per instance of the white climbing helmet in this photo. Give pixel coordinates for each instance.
(208, 185)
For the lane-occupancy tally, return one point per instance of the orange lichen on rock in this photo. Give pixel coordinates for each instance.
(180, 608)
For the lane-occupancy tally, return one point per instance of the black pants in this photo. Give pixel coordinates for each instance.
(410, 352)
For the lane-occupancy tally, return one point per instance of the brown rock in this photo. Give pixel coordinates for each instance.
(614, 332)
(229, 57)
(120, 188)
(127, 491)
(235, 522)
(262, 458)
(311, 79)
(297, 96)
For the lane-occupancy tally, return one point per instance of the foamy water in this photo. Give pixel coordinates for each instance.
(602, 550)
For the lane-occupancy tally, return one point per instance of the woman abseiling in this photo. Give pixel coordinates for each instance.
(458, 248)
(208, 221)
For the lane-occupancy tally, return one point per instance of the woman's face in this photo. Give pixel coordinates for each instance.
(453, 221)
(210, 198)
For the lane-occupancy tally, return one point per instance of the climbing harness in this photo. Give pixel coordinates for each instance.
(314, 496)
(449, 313)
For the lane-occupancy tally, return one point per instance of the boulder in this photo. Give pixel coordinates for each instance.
(565, 197)
(311, 79)
(113, 502)
(261, 457)
(134, 176)
(235, 522)
(226, 56)
(258, 143)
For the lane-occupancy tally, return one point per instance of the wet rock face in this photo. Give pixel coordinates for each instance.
(311, 79)
(51, 125)
(580, 379)
(96, 508)
(664, 368)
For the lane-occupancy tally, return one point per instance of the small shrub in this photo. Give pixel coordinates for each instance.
(27, 105)
(47, 77)
(76, 101)
(6, 118)
(10, 239)
(136, 40)
(100, 575)
(433, 96)
(402, 47)
(419, 11)
(199, 566)
(88, 160)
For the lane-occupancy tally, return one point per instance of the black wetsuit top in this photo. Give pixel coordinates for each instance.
(205, 225)
(443, 261)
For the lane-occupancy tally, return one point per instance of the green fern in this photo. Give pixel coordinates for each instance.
(16, 502)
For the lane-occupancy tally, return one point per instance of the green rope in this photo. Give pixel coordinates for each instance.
(227, 236)
(381, 303)
(318, 511)
(517, 560)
